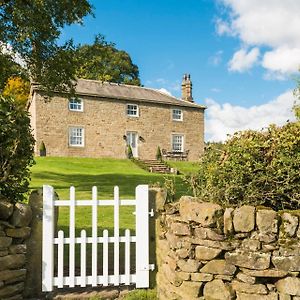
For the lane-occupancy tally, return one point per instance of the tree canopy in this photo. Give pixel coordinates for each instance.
(31, 28)
(102, 61)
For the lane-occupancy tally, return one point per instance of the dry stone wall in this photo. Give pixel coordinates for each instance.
(205, 251)
(14, 230)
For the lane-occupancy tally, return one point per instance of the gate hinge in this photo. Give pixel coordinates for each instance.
(151, 267)
(151, 213)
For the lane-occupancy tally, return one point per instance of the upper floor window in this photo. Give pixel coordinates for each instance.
(76, 104)
(76, 136)
(177, 114)
(132, 110)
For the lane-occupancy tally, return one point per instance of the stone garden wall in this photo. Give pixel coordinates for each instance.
(14, 230)
(207, 252)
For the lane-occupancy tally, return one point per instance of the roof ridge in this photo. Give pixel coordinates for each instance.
(132, 86)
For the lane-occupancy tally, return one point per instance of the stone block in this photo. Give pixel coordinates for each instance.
(206, 253)
(208, 233)
(225, 245)
(219, 266)
(287, 263)
(289, 285)
(245, 278)
(18, 249)
(5, 242)
(274, 273)
(289, 225)
(183, 275)
(224, 277)
(171, 275)
(204, 277)
(245, 296)
(190, 265)
(22, 233)
(10, 290)
(251, 244)
(13, 261)
(180, 228)
(10, 274)
(244, 218)
(267, 221)
(183, 253)
(190, 290)
(250, 260)
(204, 213)
(285, 297)
(228, 221)
(243, 287)
(22, 215)
(6, 209)
(218, 290)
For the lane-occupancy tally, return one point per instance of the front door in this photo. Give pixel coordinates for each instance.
(132, 140)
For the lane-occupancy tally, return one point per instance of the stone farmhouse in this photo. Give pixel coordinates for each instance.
(105, 117)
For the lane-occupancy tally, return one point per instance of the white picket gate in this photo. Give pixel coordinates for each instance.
(141, 276)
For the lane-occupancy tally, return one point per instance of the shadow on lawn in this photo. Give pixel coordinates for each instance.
(105, 183)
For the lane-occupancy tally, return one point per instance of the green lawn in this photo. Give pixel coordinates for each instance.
(185, 167)
(83, 173)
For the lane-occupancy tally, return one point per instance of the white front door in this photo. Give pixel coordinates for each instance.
(132, 140)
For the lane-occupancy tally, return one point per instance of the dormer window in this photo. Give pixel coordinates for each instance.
(132, 110)
(177, 114)
(75, 104)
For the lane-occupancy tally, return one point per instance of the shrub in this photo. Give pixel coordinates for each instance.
(158, 154)
(129, 152)
(253, 167)
(16, 150)
(42, 149)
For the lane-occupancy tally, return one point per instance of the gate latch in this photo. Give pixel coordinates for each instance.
(151, 267)
(151, 213)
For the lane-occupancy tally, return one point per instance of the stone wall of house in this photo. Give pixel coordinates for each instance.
(208, 252)
(14, 231)
(105, 123)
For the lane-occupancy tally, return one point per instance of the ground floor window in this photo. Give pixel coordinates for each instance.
(177, 142)
(76, 136)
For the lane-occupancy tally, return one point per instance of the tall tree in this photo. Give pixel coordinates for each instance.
(102, 61)
(32, 28)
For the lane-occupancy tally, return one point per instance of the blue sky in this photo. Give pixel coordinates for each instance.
(242, 55)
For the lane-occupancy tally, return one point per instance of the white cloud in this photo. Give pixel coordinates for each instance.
(225, 119)
(282, 60)
(271, 23)
(243, 60)
(165, 91)
(216, 59)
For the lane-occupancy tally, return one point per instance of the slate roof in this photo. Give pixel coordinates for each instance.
(100, 89)
(128, 92)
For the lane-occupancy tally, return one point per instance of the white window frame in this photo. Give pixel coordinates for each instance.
(182, 142)
(173, 115)
(77, 136)
(79, 105)
(128, 109)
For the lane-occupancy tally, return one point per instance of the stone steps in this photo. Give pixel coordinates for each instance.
(155, 166)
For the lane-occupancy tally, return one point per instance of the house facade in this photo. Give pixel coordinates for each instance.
(105, 117)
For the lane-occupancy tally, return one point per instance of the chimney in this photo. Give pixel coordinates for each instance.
(186, 88)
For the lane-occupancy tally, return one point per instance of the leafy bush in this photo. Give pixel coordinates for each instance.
(158, 154)
(253, 167)
(129, 152)
(42, 149)
(16, 149)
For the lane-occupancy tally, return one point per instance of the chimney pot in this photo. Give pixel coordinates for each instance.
(186, 88)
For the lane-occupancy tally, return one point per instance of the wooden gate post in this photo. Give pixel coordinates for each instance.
(48, 239)
(142, 236)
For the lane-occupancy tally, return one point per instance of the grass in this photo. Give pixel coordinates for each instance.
(83, 173)
(185, 167)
